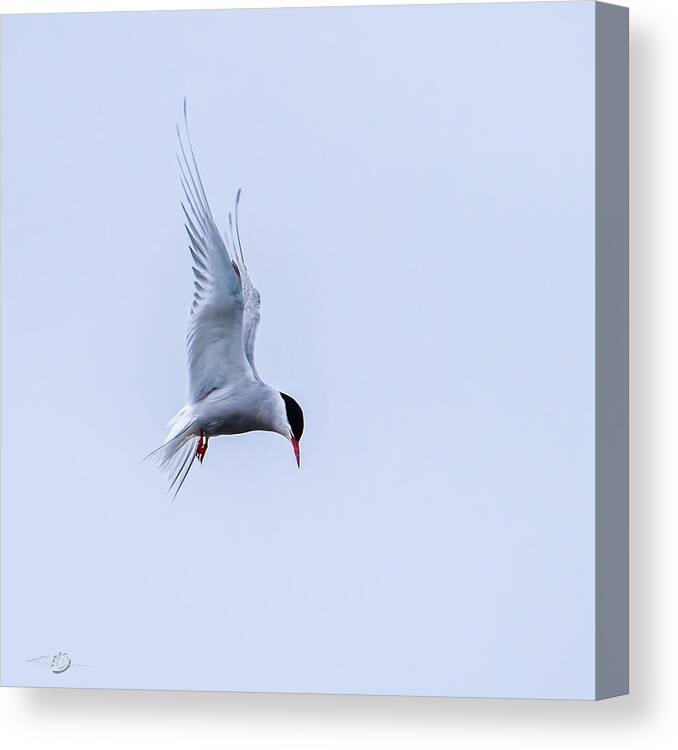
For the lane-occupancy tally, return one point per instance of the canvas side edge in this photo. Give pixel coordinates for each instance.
(3, 680)
(612, 351)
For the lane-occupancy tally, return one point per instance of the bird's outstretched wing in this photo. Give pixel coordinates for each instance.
(216, 354)
(251, 296)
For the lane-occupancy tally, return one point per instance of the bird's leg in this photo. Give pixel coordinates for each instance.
(202, 446)
(198, 452)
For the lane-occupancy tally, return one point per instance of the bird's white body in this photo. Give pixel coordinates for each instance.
(242, 407)
(226, 396)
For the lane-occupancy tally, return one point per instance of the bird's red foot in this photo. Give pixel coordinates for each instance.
(202, 446)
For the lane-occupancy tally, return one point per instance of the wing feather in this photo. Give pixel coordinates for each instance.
(214, 342)
(251, 296)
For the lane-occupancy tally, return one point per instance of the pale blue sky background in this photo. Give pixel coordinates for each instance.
(418, 216)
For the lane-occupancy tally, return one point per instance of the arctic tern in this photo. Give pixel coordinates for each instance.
(226, 395)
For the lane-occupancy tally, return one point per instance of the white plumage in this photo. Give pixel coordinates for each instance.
(226, 396)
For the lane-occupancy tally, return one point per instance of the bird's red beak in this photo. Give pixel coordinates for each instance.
(295, 445)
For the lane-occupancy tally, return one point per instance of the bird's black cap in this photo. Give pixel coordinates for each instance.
(295, 416)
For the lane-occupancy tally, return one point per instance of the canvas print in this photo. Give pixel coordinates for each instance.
(374, 260)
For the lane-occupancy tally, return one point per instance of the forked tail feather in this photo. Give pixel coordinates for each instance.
(176, 455)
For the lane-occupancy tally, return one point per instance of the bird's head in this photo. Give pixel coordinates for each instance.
(295, 423)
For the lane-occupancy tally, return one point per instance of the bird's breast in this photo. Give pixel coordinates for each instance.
(232, 413)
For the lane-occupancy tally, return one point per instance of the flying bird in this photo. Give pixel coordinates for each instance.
(226, 395)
